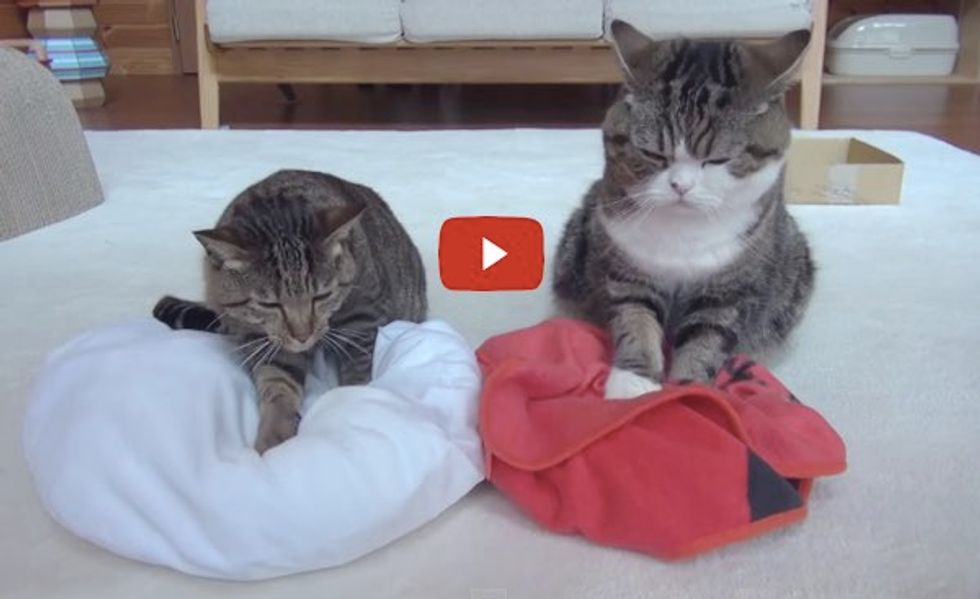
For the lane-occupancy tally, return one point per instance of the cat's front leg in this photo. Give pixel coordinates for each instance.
(179, 314)
(637, 334)
(280, 385)
(704, 340)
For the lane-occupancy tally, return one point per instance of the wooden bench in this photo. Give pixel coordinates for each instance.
(458, 62)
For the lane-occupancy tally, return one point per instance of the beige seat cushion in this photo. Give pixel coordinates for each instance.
(710, 18)
(449, 20)
(368, 21)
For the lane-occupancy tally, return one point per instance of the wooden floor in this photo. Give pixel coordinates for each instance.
(150, 102)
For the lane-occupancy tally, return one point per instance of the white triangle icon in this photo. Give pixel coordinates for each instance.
(492, 253)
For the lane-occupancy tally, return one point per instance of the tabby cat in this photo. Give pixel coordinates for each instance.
(684, 247)
(298, 262)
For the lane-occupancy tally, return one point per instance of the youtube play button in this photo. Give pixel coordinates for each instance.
(491, 253)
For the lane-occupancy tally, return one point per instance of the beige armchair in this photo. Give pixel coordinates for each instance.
(46, 170)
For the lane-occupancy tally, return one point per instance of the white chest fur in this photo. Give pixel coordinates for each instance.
(676, 244)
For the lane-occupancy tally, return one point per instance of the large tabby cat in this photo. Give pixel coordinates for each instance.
(685, 242)
(298, 262)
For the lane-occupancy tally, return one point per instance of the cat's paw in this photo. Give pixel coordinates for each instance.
(623, 384)
(691, 371)
(276, 425)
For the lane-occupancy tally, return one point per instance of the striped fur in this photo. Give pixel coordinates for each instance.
(685, 242)
(182, 314)
(302, 261)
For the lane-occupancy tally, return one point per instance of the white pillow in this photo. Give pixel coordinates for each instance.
(139, 440)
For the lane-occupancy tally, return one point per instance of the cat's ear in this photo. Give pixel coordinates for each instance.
(773, 65)
(336, 223)
(634, 50)
(225, 248)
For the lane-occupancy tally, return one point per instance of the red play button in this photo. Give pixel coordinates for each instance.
(491, 253)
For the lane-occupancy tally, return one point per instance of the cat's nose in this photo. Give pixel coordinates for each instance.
(302, 342)
(681, 187)
(299, 329)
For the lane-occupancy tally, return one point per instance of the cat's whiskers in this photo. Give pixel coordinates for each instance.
(336, 346)
(343, 336)
(269, 354)
(620, 207)
(356, 332)
(625, 199)
(326, 338)
(265, 343)
(707, 203)
(644, 209)
(218, 316)
(250, 360)
(648, 198)
(248, 343)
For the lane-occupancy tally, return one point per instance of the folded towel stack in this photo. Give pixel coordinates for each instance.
(67, 30)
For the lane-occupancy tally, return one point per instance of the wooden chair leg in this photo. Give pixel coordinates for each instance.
(810, 102)
(208, 91)
(811, 73)
(208, 88)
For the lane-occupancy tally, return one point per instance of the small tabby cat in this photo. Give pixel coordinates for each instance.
(298, 262)
(685, 242)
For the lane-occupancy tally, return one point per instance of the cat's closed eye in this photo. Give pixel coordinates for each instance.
(322, 296)
(716, 161)
(269, 305)
(653, 155)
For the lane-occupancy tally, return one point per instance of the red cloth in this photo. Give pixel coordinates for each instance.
(674, 473)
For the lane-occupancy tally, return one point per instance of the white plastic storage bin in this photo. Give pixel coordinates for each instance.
(912, 45)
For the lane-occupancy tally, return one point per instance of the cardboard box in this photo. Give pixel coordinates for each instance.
(841, 170)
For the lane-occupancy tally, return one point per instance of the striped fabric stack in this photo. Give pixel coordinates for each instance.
(67, 29)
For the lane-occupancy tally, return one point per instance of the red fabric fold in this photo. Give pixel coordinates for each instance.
(673, 473)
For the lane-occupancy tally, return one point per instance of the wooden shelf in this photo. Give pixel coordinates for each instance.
(414, 63)
(953, 79)
(967, 61)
